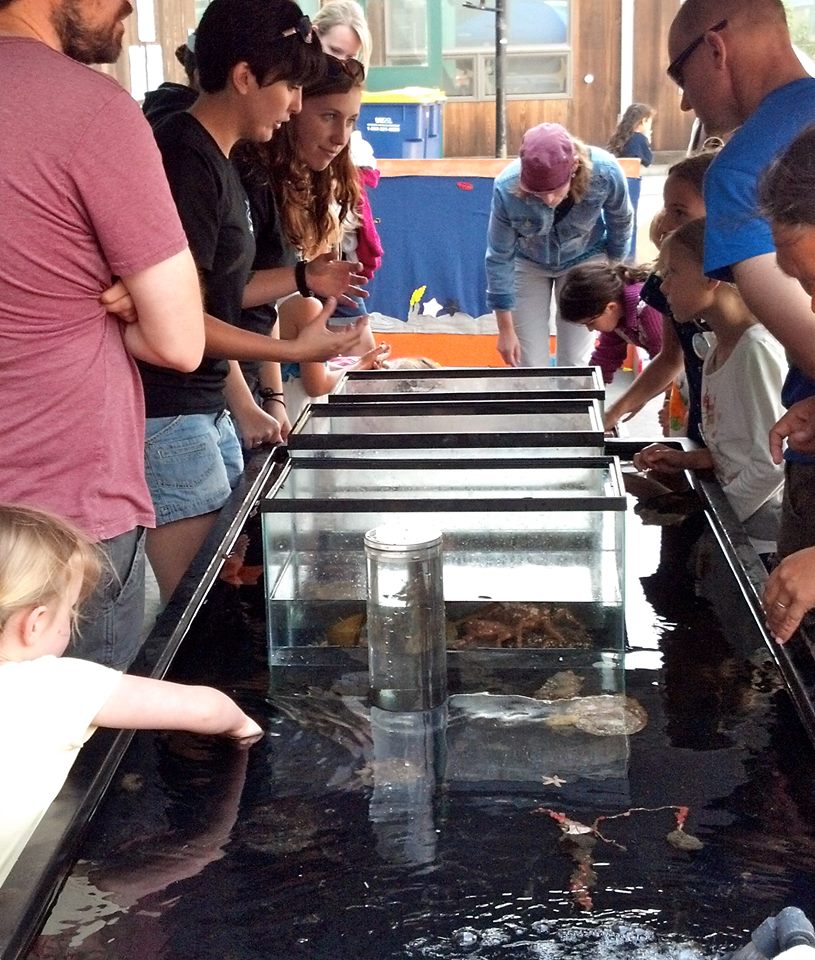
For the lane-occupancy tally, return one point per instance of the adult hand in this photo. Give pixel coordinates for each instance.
(329, 277)
(789, 593)
(797, 426)
(316, 342)
(659, 457)
(117, 300)
(509, 347)
(256, 426)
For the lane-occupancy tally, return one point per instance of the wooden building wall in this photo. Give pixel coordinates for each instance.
(469, 127)
(591, 112)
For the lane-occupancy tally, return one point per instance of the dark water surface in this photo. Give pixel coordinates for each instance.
(324, 841)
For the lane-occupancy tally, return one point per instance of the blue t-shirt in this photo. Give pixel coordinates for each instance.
(638, 146)
(735, 231)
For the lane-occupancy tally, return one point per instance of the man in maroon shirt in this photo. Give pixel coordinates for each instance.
(84, 200)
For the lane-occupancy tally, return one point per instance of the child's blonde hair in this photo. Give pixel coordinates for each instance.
(40, 555)
(411, 363)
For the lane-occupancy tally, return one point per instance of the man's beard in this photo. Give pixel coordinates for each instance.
(85, 44)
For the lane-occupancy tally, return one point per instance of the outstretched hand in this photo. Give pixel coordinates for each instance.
(329, 277)
(316, 342)
(659, 457)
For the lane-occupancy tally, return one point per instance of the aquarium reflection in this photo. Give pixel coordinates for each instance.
(565, 814)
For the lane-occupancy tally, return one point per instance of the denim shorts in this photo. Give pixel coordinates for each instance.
(191, 462)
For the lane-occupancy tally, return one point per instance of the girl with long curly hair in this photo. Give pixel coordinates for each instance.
(314, 186)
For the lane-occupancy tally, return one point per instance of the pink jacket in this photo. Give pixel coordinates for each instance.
(369, 246)
(640, 325)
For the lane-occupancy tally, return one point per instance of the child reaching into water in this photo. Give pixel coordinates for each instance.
(742, 375)
(50, 705)
(606, 298)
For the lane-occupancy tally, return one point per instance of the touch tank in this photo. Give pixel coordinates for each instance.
(437, 429)
(533, 557)
(389, 836)
(521, 819)
(465, 383)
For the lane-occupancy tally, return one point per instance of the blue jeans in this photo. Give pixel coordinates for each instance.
(192, 462)
(109, 630)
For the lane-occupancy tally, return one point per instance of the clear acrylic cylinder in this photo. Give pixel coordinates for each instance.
(407, 644)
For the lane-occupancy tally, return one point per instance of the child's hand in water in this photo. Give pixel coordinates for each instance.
(658, 456)
(247, 730)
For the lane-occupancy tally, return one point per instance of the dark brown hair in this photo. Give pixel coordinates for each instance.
(631, 119)
(589, 287)
(786, 191)
(693, 169)
(691, 236)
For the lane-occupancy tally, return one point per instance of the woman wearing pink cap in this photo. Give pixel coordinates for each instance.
(559, 204)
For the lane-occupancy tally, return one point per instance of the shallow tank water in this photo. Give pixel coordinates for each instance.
(671, 833)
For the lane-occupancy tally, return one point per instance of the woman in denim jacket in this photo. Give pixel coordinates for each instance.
(559, 204)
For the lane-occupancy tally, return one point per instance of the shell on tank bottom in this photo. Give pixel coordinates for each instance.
(605, 715)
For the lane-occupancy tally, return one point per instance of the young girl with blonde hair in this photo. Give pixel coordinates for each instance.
(742, 374)
(49, 704)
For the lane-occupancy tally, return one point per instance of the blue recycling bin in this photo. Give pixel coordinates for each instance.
(403, 124)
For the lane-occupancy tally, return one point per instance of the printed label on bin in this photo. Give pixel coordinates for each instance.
(383, 125)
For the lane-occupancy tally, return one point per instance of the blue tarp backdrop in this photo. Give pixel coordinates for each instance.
(434, 233)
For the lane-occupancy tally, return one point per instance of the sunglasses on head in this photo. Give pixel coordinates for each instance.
(351, 68)
(674, 70)
(302, 29)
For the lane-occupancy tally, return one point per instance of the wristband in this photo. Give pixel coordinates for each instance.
(267, 394)
(300, 279)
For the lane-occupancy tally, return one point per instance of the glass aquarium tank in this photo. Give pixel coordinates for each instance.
(532, 557)
(465, 383)
(434, 428)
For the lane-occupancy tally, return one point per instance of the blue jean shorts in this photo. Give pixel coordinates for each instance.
(192, 463)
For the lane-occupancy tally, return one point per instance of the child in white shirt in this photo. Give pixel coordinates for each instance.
(50, 705)
(742, 376)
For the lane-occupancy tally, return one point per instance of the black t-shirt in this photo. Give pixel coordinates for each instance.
(272, 250)
(215, 213)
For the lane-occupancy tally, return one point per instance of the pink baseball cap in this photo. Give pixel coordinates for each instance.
(547, 158)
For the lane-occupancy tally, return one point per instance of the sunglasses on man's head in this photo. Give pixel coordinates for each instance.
(350, 67)
(303, 29)
(674, 70)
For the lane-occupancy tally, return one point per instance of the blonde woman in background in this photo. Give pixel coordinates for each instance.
(343, 31)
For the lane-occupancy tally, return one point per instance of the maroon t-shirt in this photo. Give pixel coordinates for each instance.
(83, 197)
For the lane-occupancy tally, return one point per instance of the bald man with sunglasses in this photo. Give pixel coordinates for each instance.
(735, 65)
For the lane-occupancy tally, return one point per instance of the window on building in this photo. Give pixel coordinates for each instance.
(538, 54)
(406, 33)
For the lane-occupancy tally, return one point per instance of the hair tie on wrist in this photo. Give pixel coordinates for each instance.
(266, 394)
(300, 279)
